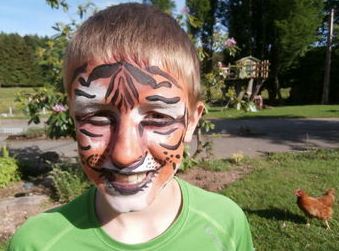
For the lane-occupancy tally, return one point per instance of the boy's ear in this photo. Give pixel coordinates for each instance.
(193, 121)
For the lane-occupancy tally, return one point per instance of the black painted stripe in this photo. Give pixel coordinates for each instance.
(125, 104)
(120, 103)
(132, 87)
(78, 71)
(172, 147)
(79, 92)
(103, 71)
(169, 101)
(156, 70)
(111, 85)
(115, 97)
(167, 132)
(83, 82)
(127, 94)
(140, 76)
(90, 134)
(130, 167)
(84, 148)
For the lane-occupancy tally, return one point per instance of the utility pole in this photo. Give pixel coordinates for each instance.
(326, 86)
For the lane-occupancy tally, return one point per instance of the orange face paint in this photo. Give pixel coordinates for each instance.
(130, 123)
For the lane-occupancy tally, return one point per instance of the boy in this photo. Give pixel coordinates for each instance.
(132, 78)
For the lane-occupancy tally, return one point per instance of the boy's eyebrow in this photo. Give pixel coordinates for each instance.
(169, 101)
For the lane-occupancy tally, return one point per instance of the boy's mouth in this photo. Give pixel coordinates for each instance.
(127, 184)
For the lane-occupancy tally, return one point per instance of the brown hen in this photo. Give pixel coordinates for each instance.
(317, 207)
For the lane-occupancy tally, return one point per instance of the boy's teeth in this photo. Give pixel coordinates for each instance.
(131, 179)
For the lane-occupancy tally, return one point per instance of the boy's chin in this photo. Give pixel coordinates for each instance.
(122, 203)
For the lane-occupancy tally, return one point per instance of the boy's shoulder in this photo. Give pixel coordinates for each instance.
(218, 217)
(51, 225)
(213, 207)
(210, 201)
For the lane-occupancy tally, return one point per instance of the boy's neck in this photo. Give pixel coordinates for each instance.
(145, 225)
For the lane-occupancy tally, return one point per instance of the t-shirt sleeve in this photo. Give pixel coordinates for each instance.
(243, 233)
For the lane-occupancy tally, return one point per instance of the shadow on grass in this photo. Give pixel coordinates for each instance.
(332, 110)
(277, 214)
(243, 117)
(282, 131)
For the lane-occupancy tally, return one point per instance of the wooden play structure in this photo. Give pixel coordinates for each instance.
(251, 69)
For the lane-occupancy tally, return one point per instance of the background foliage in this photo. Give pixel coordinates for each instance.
(69, 181)
(9, 171)
(19, 64)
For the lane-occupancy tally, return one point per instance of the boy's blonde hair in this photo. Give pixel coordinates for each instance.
(138, 33)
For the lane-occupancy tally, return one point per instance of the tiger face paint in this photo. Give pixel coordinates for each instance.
(131, 123)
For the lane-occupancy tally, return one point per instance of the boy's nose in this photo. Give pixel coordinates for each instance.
(127, 146)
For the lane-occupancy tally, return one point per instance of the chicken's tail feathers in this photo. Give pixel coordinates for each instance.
(330, 191)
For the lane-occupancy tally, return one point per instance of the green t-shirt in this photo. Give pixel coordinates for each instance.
(207, 222)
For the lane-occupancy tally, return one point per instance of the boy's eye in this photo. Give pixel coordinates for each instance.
(157, 119)
(96, 119)
(157, 116)
(99, 121)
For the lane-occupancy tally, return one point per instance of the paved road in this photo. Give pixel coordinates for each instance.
(257, 136)
(251, 137)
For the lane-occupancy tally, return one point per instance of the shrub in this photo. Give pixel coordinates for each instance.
(35, 132)
(187, 161)
(8, 169)
(69, 181)
(237, 158)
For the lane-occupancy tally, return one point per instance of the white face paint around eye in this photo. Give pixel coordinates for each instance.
(130, 129)
(88, 97)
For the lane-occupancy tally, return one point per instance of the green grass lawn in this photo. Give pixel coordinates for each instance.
(267, 197)
(7, 99)
(301, 111)
(3, 246)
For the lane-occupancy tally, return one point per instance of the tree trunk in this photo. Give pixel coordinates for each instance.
(273, 84)
(257, 88)
(326, 85)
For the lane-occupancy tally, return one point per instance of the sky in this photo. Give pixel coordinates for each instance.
(36, 17)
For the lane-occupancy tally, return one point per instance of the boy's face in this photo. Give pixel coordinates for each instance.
(131, 123)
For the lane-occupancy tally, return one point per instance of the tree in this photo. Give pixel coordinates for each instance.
(166, 6)
(278, 30)
(52, 97)
(18, 61)
(203, 11)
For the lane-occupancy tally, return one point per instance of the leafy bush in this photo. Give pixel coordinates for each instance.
(69, 181)
(59, 123)
(187, 161)
(8, 169)
(35, 132)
